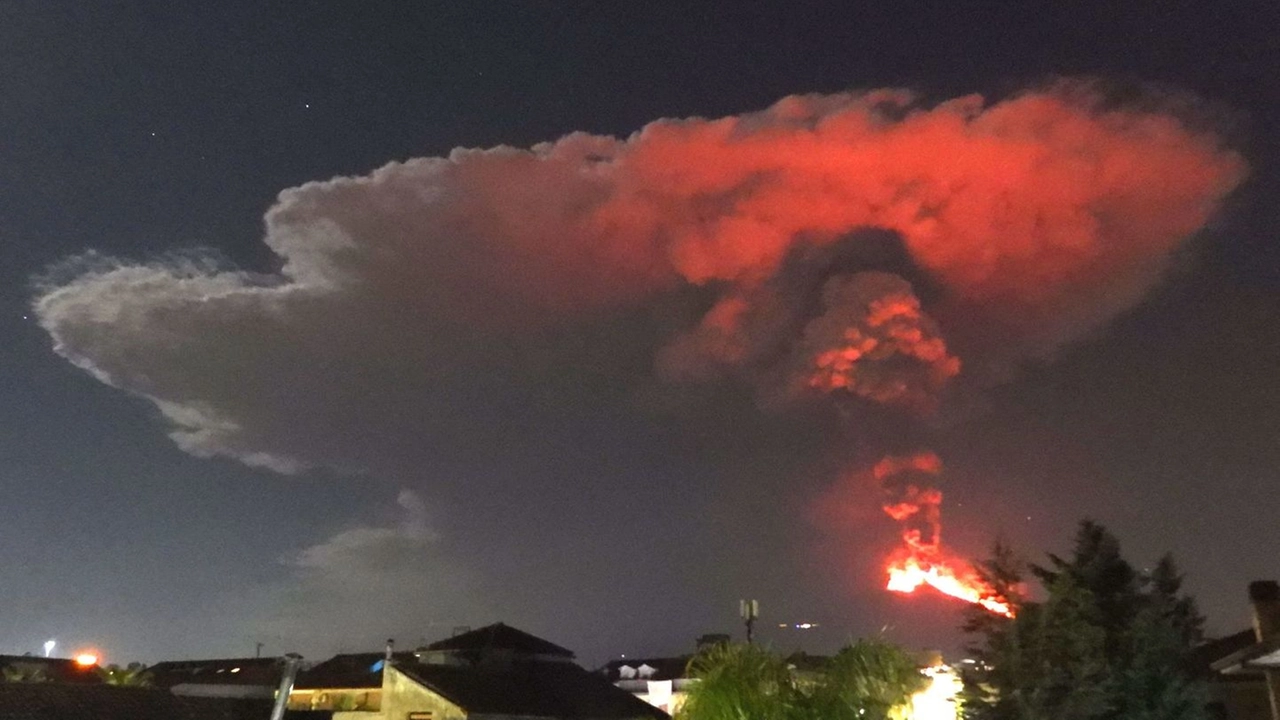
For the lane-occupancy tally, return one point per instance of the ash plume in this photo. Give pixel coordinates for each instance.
(912, 498)
(874, 341)
(495, 280)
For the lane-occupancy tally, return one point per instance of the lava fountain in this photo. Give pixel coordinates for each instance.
(912, 499)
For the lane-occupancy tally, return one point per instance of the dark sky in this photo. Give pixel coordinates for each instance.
(550, 477)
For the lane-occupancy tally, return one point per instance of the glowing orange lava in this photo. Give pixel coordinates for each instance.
(908, 574)
(915, 503)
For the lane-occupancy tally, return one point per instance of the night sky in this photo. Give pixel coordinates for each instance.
(460, 432)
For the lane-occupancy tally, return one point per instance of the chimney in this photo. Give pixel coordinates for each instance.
(391, 648)
(1264, 595)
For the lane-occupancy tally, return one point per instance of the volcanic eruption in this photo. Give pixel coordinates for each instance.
(912, 500)
(873, 342)
(1017, 225)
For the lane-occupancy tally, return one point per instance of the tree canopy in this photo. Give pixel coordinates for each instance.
(134, 674)
(1106, 643)
(868, 680)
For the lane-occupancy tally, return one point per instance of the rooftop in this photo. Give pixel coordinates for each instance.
(58, 701)
(349, 670)
(61, 670)
(561, 690)
(225, 671)
(500, 637)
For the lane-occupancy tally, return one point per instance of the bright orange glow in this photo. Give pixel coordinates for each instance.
(908, 574)
(86, 659)
(911, 500)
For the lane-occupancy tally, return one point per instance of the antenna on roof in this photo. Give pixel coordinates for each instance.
(749, 610)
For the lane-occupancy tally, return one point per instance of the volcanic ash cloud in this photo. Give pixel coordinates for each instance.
(1029, 221)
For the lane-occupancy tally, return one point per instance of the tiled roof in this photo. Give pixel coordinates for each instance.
(58, 701)
(349, 670)
(227, 671)
(531, 689)
(1204, 656)
(500, 637)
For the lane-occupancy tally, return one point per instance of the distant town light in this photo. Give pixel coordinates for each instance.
(86, 659)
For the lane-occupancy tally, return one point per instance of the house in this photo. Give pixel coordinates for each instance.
(349, 681)
(499, 690)
(497, 642)
(61, 670)
(660, 681)
(230, 677)
(1245, 680)
(86, 701)
(494, 672)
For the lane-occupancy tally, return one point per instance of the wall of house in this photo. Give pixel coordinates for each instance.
(1239, 699)
(365, 700)
(401, 696)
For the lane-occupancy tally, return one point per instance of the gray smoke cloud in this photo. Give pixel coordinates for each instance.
(438, 303)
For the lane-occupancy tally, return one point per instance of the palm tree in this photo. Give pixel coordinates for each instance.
(868, 680)
(134, 674)
(740, 682)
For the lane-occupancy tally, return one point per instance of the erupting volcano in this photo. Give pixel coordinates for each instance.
(910, 572)
(856, 248)
(874, 342)
(913, 501)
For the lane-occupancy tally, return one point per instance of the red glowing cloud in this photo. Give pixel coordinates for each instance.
(1028, 221)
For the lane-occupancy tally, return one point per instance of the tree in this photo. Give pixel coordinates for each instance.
(1158, 683)
(24, 674)
(1107, 643)
(740, 682)
(997, 658)
(134, 674)
(868, 680)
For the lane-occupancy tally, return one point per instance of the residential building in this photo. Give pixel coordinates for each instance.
(1245, 679)
(87, 701)
(350, 681)
(60, 670)
(230, 677)
(492, 673)
(660, 681)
